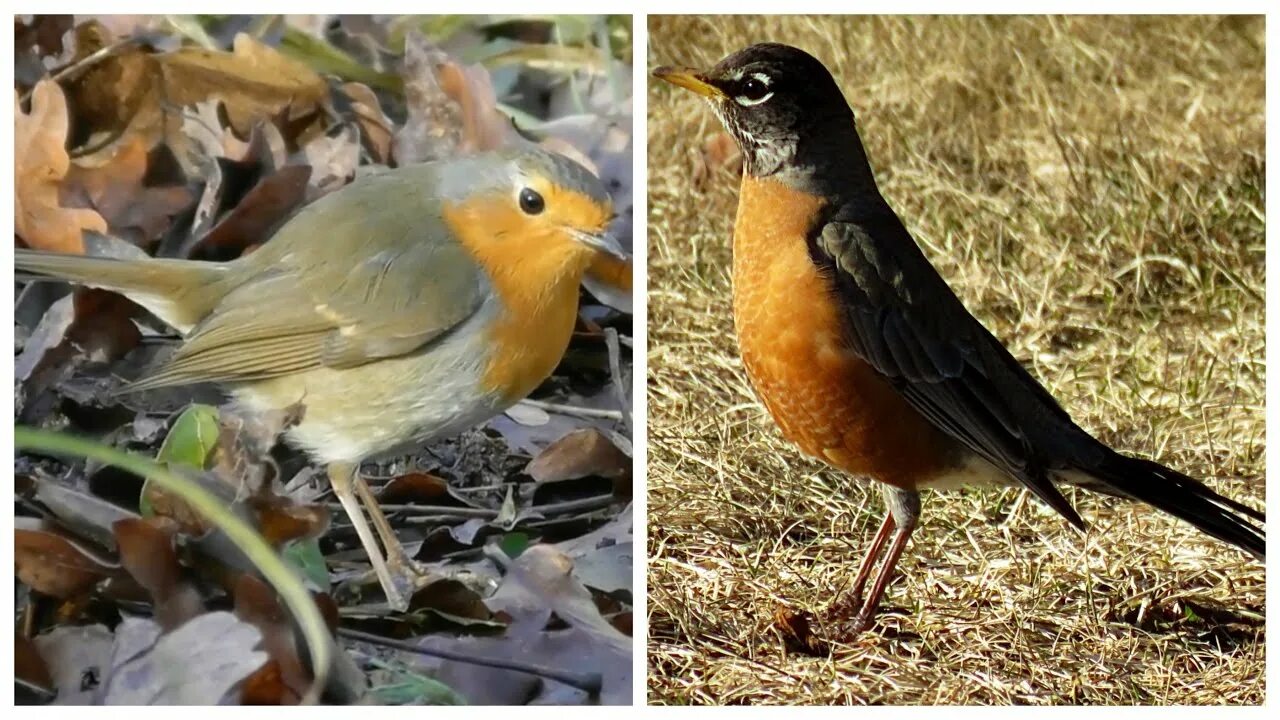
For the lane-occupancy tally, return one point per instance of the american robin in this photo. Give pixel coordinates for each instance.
(864, 356)
(407, 306)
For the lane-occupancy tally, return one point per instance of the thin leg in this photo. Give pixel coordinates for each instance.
(869, 560)
(901, 518)
(342, 476)
(904, 506)
(404, 572)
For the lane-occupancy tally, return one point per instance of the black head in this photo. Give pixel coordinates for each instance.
(771, 98)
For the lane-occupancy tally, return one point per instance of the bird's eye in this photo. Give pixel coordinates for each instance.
(531, 203)
(754, 90)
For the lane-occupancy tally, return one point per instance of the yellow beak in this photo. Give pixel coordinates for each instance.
(689, 79)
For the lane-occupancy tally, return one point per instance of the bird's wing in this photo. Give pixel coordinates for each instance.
(289, 319)
(908, 325)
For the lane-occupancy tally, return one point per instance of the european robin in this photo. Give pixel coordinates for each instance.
(860, 351)
(407, 306)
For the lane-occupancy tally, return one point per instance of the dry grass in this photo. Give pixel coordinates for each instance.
(1093, 188)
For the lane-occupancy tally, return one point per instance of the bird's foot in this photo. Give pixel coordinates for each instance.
(848, 617)
(405, 577)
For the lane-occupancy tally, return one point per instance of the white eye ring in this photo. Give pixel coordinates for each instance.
(763, 79)
(745, 101)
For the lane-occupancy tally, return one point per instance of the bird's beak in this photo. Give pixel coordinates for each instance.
(601, 241)
(689, 79)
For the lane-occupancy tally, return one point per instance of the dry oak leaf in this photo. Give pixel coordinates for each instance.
(253, 81)
(111, 183)
(40, 166)
(134, 92)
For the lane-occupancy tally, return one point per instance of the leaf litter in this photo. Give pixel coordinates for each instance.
(197, 138)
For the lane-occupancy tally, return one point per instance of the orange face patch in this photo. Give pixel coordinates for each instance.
(535, 265)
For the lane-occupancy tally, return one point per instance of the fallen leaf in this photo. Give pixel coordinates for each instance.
(77, 657)
(55, 564)
(282, 680)
(258, 214)
(423, 489)
(41, 164)
(579, 454)
(85, 514)
(797, 633)
(136, 94)
(28, 667)
(376, 129)
(542, 579)
(333, 159)
(253, 81)
(203, 662)
(147, 553)
(111, 183)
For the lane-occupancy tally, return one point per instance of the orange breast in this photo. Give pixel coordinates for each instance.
(823, 397)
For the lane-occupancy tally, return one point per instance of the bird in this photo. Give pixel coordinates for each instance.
(864, 356)
(409, 305)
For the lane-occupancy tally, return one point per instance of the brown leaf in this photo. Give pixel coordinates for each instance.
(134, 93)
(259, 213)
(148, 554)
(282, 681)
(452, 597)
(40, 166)
(253, 81)
(87, 325)
(118, 95)
(281, 521)
(579, 454)
(111, 182)
(28, 665)
(421, 488)
(797, 633)
(54, 564)
(375, 126)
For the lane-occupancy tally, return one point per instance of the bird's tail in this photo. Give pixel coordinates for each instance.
(179, 292)
(1183, 497)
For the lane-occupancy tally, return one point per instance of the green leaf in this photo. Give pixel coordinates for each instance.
(190, 442)
(192, 439)
(513, 544)
(306, 556)
(414, 689)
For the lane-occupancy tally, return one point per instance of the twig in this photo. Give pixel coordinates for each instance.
(440, 509)
(615, 372)
(572, 410)
(589, 683)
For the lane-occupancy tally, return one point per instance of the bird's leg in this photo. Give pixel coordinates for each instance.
(904, 508)
(403, 570)
(853, 597)
(343, 478)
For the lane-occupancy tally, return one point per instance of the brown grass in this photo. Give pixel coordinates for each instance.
(1093, 189)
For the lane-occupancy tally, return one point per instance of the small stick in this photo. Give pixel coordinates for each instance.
(589, 683)
(576, 411)
(615, 372)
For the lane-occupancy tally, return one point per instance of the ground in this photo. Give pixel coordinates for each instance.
(1093, 189)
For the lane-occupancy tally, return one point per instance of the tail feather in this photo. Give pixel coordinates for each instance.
(179, 292)
(1184, 497)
